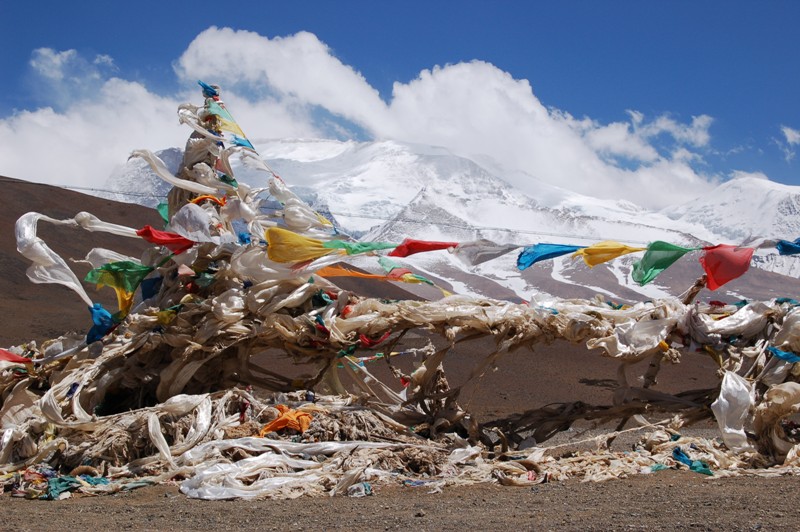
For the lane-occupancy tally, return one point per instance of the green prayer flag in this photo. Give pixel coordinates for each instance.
(354, 248)
(163, 211)
(126, 275)
(388, 264)
(658, 257)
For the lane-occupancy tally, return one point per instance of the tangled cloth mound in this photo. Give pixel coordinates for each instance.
(187, 380)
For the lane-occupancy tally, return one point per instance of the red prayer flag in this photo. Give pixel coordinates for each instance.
(411, 246)
(173, 241)
(724, 263)
(8, 356)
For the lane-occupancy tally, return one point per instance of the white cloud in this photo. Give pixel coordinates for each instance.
(695, 134)
(792, 135)
(95, 121)
(739, 174)
(274, 87)
(51, 64)
(792, 138)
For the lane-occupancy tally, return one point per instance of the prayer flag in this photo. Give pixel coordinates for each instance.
(723, 263)
(409, 246)
(539, 252)
(172, 241)
(604, 252)
(659, 256)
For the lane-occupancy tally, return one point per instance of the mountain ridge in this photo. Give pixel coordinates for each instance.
(388, 190)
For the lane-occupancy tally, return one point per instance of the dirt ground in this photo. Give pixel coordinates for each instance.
(665, 500)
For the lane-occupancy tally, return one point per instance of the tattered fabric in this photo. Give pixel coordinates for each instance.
(123, 276)
(539, 252)
(354, 248)
(659, 256)
(788, 248)
(604, 252)
(724, 262)
(288, 246)
(172, 241)
(480, 251)
(409, 246)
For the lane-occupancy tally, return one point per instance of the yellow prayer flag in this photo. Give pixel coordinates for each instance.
(286, 246)
(604, 252)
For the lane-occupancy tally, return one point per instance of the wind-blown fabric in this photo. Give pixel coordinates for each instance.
(339, 271)
(8, 356)
(103, 321)
(227, 123)
(788, 248)
(480, 251)
(410, 246)
(396, 272)
(124, 277)
(787, 356)
(47, 266)
(172, 241)
(539, 252)
(659, 256)
(604, 252)
(354, 248)
(724, 262)
(288, 246)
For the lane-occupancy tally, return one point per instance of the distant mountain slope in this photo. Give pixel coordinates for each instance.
(388, 190)
(34, 311)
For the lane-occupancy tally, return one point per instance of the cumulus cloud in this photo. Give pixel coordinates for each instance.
(95, 120)
(281, 87)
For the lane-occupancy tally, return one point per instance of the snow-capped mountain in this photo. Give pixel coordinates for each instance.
(388, 191)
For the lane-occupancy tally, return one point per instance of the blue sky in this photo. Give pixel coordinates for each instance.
(688, 93)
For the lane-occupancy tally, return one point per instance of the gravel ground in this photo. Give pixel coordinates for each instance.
(667, 500)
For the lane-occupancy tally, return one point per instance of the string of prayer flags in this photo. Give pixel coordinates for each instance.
(724, 262)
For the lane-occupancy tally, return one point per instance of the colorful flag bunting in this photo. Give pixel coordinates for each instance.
(659, 256)
(723, 263)
(539, 252)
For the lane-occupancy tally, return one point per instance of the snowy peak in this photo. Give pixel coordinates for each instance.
(135, 181)
(743, 208)
(388, 191)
